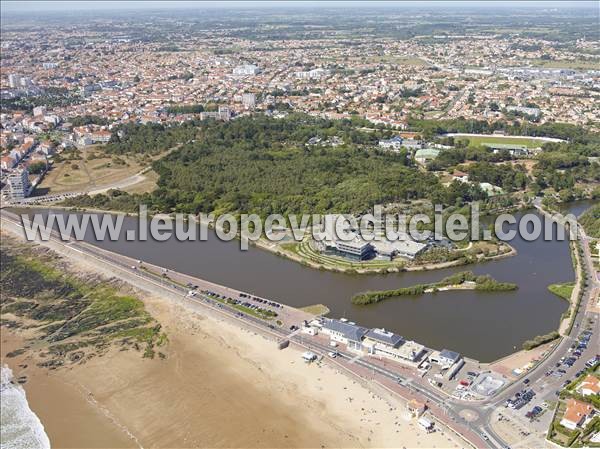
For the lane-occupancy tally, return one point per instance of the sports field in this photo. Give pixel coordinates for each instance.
(480, 140)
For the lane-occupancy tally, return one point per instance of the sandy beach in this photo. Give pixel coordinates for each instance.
(219, 386)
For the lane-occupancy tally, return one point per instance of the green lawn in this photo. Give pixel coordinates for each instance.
(562, 290)
(577, 64)
(529, 143)
(399, 60)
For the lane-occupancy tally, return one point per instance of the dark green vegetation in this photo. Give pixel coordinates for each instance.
(185, 109)
(81, 120)
(482, 283)
(540, 340)
(263, 165)
(509, 177)
(150, 139)
(74, 318)
(37, 167)
(562, 166)
(590, 220)
(53, 97)
(463, 152)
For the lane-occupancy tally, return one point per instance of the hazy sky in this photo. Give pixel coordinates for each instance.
(36, 6)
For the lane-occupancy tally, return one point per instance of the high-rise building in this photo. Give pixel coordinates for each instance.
(224, 113)
(249, 100)
(13, 80)
(25, 81)
(18, 183)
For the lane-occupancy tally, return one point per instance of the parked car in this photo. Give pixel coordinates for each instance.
(590, 362)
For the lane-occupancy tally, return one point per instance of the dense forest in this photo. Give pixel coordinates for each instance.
(263, 165)
(151, 138)
(590, 220)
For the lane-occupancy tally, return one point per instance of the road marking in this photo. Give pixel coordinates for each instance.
(355, 358)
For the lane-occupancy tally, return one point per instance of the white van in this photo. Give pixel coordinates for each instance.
(309, 356)
(426, 424)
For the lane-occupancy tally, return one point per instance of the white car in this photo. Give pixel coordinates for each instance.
(333, 354)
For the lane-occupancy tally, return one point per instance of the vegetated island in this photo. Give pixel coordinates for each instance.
(465, 280)
(540, 340)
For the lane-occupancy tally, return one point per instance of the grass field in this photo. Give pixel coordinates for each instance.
(529, 143)
(399, 60)
(316, 309)
(88, 173)
(147, 185)
(96, 170)
(577, 64)
(562, 290)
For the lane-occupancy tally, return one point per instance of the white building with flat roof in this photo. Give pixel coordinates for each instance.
(249, 100)
(404, 248)
(246, 69)
(382, 343)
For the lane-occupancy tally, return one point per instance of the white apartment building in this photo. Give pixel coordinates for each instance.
(18, 184)
(249, 100)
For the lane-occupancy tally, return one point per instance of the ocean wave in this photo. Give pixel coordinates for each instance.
(20, 428)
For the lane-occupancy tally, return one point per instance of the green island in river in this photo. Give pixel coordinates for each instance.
(465, 280)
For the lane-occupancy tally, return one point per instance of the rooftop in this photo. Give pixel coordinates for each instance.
(386, 337)
(348, 330)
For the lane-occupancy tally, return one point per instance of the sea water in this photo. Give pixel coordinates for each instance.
(20, 428)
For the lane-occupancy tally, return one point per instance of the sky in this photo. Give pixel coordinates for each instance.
(57, 6)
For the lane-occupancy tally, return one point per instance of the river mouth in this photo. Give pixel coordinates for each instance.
(481, 325)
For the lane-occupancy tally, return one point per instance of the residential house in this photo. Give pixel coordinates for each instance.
(7, 162)
(576, 414)
(589, 386)
(460, 176)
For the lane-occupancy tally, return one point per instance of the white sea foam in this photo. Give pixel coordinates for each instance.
(20, 428)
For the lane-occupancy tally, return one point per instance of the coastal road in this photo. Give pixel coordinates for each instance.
(543, 384)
